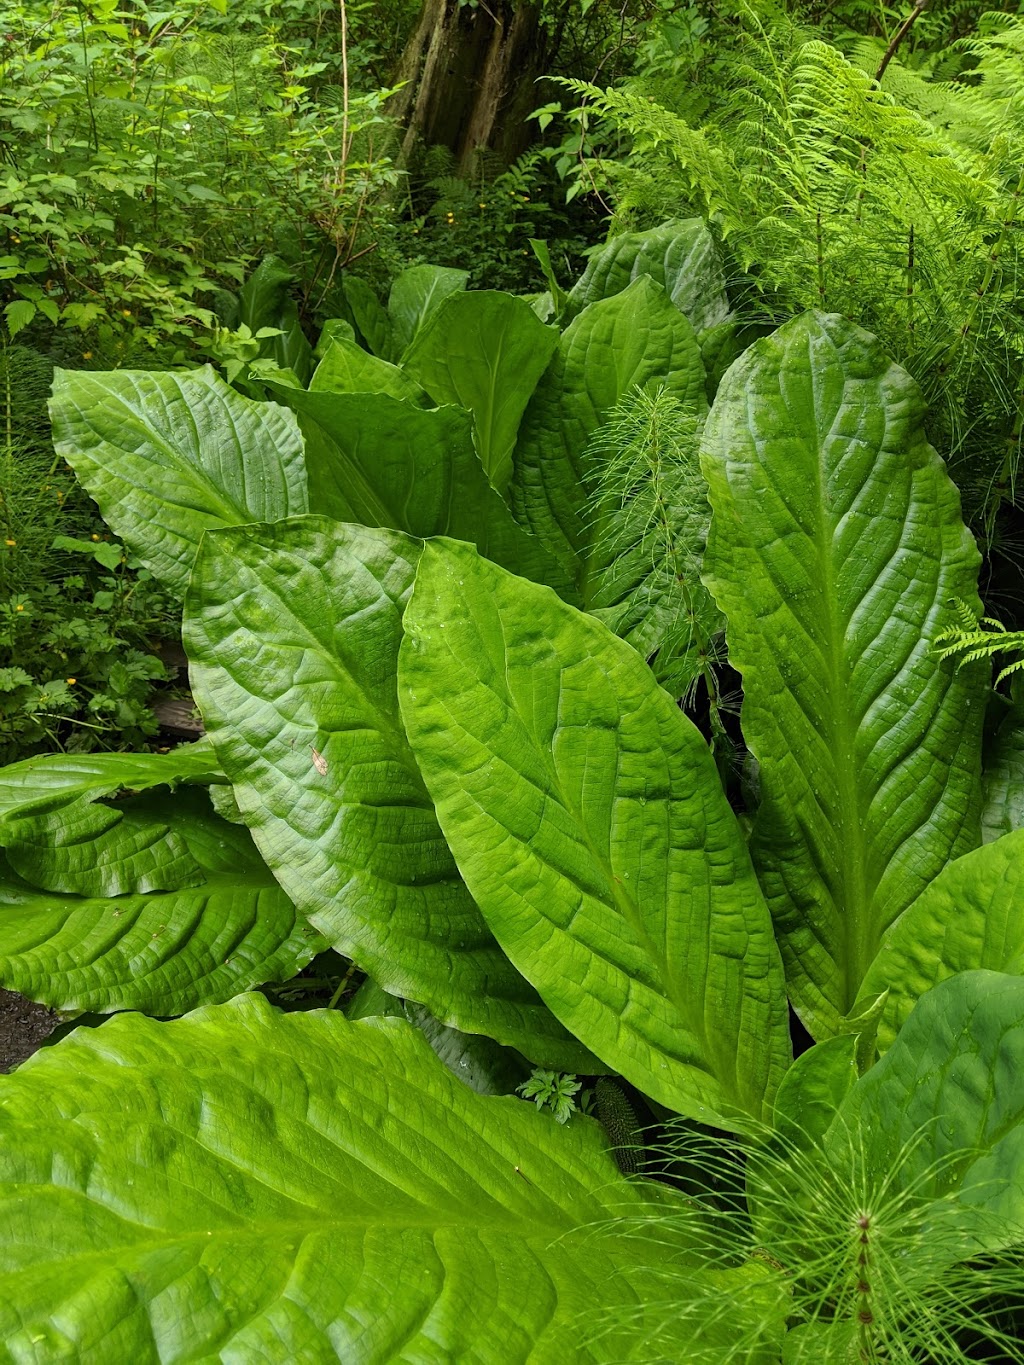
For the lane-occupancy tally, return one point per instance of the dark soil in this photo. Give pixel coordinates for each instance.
(24, 1026)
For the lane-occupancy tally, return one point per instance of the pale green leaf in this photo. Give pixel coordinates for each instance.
(169, 456)
(165, 951)
(968, 917)
(57, 784)
(299, 696)
(586, 814)
(254, 1186)
(835, 546)
(485, 351)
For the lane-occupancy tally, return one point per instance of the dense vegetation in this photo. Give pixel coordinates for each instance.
(590, 927)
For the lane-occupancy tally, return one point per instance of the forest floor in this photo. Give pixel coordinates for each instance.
(24, 1027)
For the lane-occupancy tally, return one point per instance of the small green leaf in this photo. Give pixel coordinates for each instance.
(18, 314)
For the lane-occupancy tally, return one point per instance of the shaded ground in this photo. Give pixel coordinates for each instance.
(23, 1026)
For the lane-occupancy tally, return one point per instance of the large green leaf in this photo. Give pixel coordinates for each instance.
(294, 632)
(169, 456)
(165, 951)
(1002, 778)
(835, 546)
(635, 340)
(970, 916)
(415, 294)
(586, 814)
(60, 836)
(347, 368)
(381, 462)
(680, 256)
(485, 351)
(248, 1185)
(943, 1112)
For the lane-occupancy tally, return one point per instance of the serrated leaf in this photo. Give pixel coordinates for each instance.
(680, 256)
(166, 951)
(485, 351)
(586, 814)
(296, 1186)
(352, 837)
(635, 340)
(836, 542)
(169, 456)
(968, 917)
(18, 314)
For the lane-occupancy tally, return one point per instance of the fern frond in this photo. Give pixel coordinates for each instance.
(971, 638)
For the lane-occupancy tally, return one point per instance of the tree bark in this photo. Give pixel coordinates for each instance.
(470, 76)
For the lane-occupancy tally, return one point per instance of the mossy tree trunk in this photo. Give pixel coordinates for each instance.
(470, 74)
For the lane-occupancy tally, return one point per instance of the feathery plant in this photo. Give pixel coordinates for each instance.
(648, 502)
(971, 637)
(830, 192)
(852, 1262)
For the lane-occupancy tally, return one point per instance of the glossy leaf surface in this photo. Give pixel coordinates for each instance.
(169, 456)
(61, 836)
(586, 815)
(229, 929)
(244, 1184)
(1002, 778)
(485, 351)
(835, 545)
(299, 695)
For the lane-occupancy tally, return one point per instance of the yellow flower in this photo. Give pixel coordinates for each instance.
(481, 206)
(126, 312)
(19, 607)
(72, 681)
(10, 542)
(94, 537)
(87, 355)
